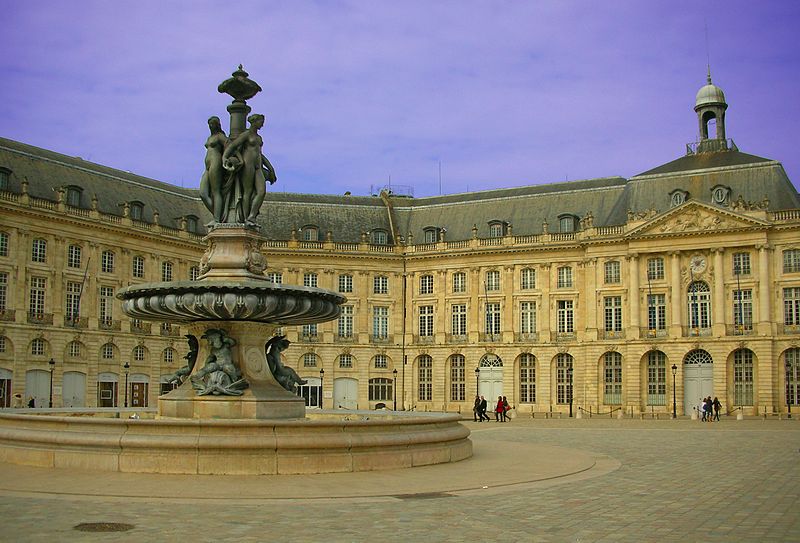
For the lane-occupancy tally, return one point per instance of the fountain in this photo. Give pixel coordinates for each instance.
(235, 410)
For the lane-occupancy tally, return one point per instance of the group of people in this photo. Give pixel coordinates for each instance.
(709, 409)
(500, 411)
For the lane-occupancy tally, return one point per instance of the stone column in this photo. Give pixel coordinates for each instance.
(590, 301)
(718, 326)
(764, 306)
(633, 295)
(544, 318)
(507, 324)
(676, 294)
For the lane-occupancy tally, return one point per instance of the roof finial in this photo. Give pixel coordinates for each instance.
(708, 77)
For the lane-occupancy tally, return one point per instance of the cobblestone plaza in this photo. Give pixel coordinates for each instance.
(553, 480)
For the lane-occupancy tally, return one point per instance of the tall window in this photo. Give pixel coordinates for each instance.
(699, 305)
(72, 311)
(459, 319)
(138, 267)
(106, 312)
(496, 230)
(563, 378)
(310, 280)
(564, 277)
(74, 256)
(37, 296)
(743, 377)
(612, 272)
(309, 331)
(137, 211)
(345, 323)
(380, 284)
(431, 235)
(656, 312)
(791, 306)
(345, 283)
(791, 260)
(493, 318)
(743, 309)
(380, 322)
(527, 378)
(566, 223)
(459, 282)
(4, 177)
(458, 378)
(39, 250)
(426, 320)
(612, 306)
(741, 263)
(194, 273)
(3, 244)
(381, 361)
(3, 291)
(275, 277)
(310, 360)
(107, 262)
(345, 360)
(565, 317)
(166, 271)
(380, 389)
(492, 280)
(528, 278)
(527, 315)
(426, 284)
(656, 378)
(792, 366)
(425, 378)
(655, 268)
(612, 378)
(139, 353)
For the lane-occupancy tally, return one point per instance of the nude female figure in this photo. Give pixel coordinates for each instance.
(214, 175)
(256, 170)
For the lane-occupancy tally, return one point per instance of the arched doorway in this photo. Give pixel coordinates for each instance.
(74, 389)
(5, 387)
(490, 381)
(107, 389)
(139, 388)
(345, 393)
(37, 386)
(698, 378)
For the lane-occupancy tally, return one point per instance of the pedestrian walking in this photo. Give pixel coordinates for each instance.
(717, 407)
(499, 410)
(506, 409)
(476, 410)
(484, 406)
(701, 409)
(31, 402)
(709, 410)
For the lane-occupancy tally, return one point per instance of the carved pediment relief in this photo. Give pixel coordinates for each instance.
(694, 217)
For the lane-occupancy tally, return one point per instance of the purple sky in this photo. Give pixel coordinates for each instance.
(502, 93)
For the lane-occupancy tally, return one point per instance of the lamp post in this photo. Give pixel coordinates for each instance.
(569, 380)
(394, 387)
(674, 405)
(127, 367)
(789, 386)
(477, 381)
(321, 377)
(52, 364)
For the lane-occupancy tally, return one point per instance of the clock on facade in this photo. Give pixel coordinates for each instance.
(697, 264)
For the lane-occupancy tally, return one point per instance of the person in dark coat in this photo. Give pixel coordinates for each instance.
(484, 407)
(717, 407)
(476, 410)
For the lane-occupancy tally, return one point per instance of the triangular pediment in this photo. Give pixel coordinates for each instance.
(694, 218)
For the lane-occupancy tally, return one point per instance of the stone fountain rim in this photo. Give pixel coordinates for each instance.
(211, 285)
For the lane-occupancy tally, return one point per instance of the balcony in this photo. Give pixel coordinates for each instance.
(169, 330)
(109, 324)
(739, 330)
(383, 339)
(344, 338)
(40, 318)
(653, 333)
(526, 337)
(456, 338)
(7, 315)
(563, 336)
(141, 328)
(613, 334)
(696, 332)
(789, 328)
(424, 340)
(490, 338)
(308, 338)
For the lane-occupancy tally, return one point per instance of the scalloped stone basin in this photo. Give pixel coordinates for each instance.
(227, 300)
(324, 442)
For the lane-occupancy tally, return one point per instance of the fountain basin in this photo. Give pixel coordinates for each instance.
(323, 442)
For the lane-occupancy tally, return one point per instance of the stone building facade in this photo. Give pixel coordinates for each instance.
(605, 295)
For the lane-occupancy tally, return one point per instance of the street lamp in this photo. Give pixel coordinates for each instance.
(789, 386)
(674, 405)
(394, 387)
(52, 364)
(569, 380)
(127, 367)
(477, 381)
(321, 377)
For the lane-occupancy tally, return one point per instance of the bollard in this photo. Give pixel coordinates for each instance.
(579, 414)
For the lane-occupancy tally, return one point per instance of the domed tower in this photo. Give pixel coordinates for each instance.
(710, 104)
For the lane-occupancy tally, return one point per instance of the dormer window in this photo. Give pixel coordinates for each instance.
(74, 196)
(431, 234)
(678, 197)
(567, 223)
(721, 195)
(5, 178)
(310, 233)
(137, 211)
(497, 229)
(191, 223)
(380, 237)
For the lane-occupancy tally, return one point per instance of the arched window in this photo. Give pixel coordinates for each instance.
(612, 378)
(310, 233)
(563, 378)
(425, 378)
(743, 377)
(74, 196)
(497, 229)
(380, 389)
(527, 378)
(380, 362)
(698, 356)
(168, 356)
(74, 349)
(191, 223)
(107, 351)
(38, 346)
(309, 360)
(792, 365)
(656, 378)
(139, 353)
(380, 237)
(137, 211)
(345, 360)
(567, 223)
(699, 300)
(431, 234)
(458, 378)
